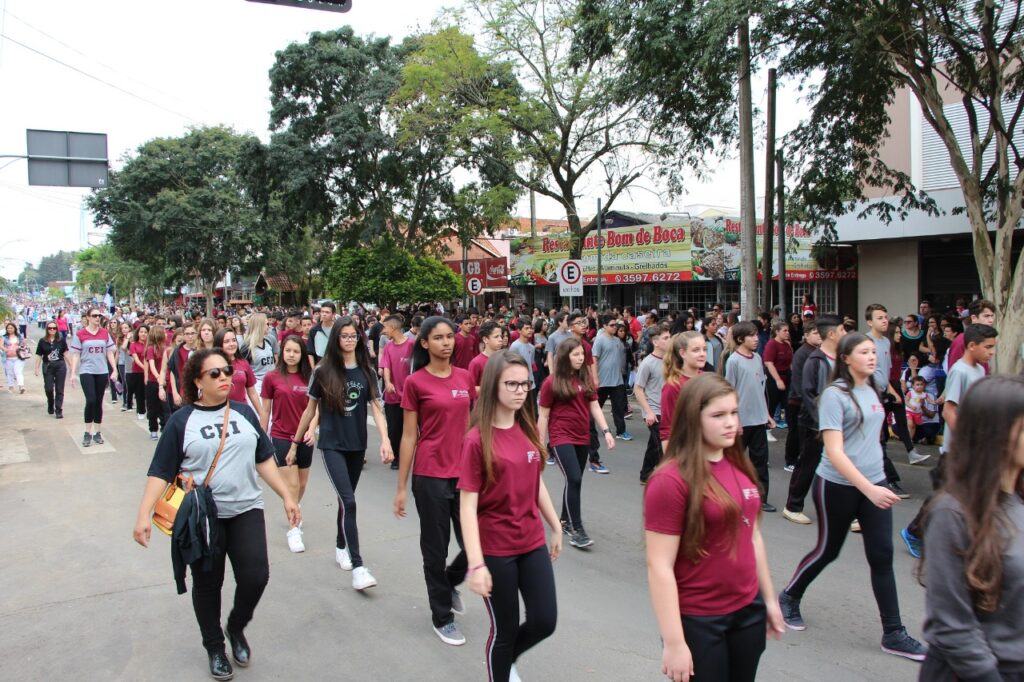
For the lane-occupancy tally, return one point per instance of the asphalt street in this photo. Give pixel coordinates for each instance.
(83, 601)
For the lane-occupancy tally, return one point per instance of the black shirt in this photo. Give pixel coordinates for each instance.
(52, 352)
(344, 430)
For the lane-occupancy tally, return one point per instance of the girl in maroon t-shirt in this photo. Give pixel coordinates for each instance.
(706, 564)
(243, 379)
(156, 380)
(568, 400)
(137, 370)
(284, 398)
(502, 501)
(685, 359)
(436, 402)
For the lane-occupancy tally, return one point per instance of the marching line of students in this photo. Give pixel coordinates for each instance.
(468, 440)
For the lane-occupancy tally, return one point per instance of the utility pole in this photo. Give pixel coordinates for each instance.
(748, 222)
(781, 216)
(533, 214)
(769, 191)
(600, 222)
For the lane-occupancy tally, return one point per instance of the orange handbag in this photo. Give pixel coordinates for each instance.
(166, 508)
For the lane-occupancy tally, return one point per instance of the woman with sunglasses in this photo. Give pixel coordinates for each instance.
(344, 389)
(50, 352)
(92, 351)
(189, 444)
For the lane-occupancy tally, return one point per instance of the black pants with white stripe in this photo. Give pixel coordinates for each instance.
(528, 574)
(572, 460)
(837, 506)
(344, 469)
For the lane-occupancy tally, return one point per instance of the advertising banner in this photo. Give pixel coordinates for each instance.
(629, 255)
(698, 249)
(492, 271)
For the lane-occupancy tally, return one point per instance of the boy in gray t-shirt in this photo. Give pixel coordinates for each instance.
(650, 380)
(610, 356)
(745, 371)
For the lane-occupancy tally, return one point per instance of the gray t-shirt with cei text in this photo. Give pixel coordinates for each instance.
(859, 416)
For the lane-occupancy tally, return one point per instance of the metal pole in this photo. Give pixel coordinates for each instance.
(748, 223)
(769, 189)
(600, 222)
(533, 214)
(780, 214)
(465, 278)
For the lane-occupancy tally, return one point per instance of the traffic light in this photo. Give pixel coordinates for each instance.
(325, 5)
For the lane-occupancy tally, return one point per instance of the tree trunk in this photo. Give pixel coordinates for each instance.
(576, 230)
(208, 293)
(748, 223)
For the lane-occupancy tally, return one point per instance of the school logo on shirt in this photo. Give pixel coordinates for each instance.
(355, 389)
(877, 408)
(532, 456)
(458, 393)
(751, 494)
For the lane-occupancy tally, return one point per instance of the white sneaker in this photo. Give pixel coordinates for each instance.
(916, 457)
(855, 526)
(141, 417)
(343, 559)
(361, 579)
(796, 517)
(295, 540)
(771, 438)
(513, 674)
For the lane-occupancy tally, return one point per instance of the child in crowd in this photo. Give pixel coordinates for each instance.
(914, 400)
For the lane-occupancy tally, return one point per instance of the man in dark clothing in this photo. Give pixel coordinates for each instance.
(811, 341)
(814, 378)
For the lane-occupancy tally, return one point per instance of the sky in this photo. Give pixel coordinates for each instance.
(138, 70)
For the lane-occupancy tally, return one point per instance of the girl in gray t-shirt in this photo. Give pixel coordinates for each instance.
(849, 485)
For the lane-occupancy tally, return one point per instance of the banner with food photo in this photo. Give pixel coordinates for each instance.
(629, 255)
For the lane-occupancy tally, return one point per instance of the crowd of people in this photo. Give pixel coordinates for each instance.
(470, 406)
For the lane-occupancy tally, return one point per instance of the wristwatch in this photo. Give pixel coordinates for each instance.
(606, 430)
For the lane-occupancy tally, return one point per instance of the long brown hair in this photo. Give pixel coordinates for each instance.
(565, 378)
(487, 404)
(685, 450)
(673, 361)
(988, 427)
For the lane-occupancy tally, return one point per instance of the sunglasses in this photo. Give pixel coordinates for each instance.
(51, 329)
(95, 315)
(226, 370)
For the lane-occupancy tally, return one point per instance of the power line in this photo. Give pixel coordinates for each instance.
(98, 79)
(61, 202)
(83, 54)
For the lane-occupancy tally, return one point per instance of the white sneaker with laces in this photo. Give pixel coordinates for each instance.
(361, 578)
(295, 543)
(343, 559)
(771, 438)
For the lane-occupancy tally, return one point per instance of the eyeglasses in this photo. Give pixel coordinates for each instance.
(348, 337)
(226, 370)
(517, 386)
(583, 322)
(51, 329)
(95, 315)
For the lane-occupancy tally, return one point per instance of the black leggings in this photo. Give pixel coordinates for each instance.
(136, 390)
(157, 410)
(437, 503)
(572, 460)
(528, 574)
(792, 434)
(243, 539)
(837, 507)
(344, 469)
(93, 386)
(727, 648)
(394, 415)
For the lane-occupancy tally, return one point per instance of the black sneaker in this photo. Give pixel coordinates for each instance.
(59, 415)
(579, 539)
(86, 440)
(898, 489)
(790, 608)
(97, 438)
(220, 666)
(899, 643)
(239, 648)
(566, 528)
(770, 508)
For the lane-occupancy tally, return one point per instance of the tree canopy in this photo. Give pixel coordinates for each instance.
(180, 205)
(386, 274)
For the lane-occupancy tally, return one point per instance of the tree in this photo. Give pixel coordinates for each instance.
(565, 133)
(56, 267)
(687, 65)
(386, 274)
(180, 205)
(99, 266)
(341, 160)
(954, 58)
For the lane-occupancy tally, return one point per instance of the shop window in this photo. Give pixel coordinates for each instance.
(825, 293)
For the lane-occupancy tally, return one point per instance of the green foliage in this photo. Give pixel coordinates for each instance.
(101, 265)
(180, 206)
(56, 267)
(385, 273)
(525, 107)
(353, 162)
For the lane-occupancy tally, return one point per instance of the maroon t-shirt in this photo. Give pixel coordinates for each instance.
(569, 421)
(669, 398)
(288, 391)
(138, 349)
(507, 509)
(779, 353)
(397, 358)
(476, 368)
(442, 412)
(726, 579)
(157, 358)
(466, 348)
(242, 379)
